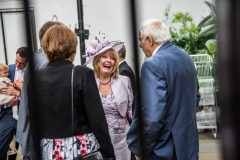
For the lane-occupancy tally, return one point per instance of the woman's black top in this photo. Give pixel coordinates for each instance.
(51, 112)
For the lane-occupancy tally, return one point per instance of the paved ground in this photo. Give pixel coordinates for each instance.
(209, 148)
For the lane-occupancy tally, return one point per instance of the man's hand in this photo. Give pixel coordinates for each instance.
(18, 84)
(13, 102)
(10, 91)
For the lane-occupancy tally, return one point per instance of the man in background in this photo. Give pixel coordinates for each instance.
(24, 136)
(8, 124)
(126, 70)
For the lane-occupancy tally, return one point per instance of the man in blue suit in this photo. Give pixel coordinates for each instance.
(168, 88)
(8, 124)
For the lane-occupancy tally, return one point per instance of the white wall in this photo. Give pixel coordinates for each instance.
(112, 16)
(65, 10)
(11, 4)
(2, 55)
(7, 5)
(11, 21)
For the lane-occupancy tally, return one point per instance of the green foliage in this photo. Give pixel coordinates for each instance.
(211, 45)
(182, 18)
(193, 38)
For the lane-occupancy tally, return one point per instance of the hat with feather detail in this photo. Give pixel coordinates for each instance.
(98, 46)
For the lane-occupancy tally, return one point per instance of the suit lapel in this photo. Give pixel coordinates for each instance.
(122, 65)
(12, 69)
(117, 90)
(120, 94)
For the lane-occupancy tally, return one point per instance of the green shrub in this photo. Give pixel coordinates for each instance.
(194, 39)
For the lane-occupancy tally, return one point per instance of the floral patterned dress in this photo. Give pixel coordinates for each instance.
(68, 148)
(117, 126)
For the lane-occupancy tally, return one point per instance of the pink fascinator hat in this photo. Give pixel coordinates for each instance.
(98, 46)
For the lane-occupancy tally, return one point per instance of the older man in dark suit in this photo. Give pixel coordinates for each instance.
(8, 125)
(168, 99)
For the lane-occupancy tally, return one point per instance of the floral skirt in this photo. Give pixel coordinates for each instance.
(68, 148)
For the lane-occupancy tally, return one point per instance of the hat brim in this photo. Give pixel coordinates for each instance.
(116, 45)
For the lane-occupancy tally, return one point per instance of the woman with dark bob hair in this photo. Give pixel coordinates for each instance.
(67, 112)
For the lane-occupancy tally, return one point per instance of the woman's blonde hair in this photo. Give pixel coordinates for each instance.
(59, 42)
(3, 67)
(95, 63)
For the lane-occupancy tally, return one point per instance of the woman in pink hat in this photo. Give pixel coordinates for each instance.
(115, 92)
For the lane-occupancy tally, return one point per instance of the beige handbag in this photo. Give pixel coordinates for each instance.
(12, 148)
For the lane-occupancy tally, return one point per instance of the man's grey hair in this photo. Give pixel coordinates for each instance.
(155, 29)
(122, 52)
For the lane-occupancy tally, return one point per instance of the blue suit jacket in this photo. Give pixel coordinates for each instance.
(12, 68)
(168, 104)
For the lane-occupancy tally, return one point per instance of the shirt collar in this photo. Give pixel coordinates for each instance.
(155, 51)
(121, 62)
(20, 69)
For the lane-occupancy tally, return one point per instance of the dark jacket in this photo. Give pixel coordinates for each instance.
(52, 113)
(126, 70)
